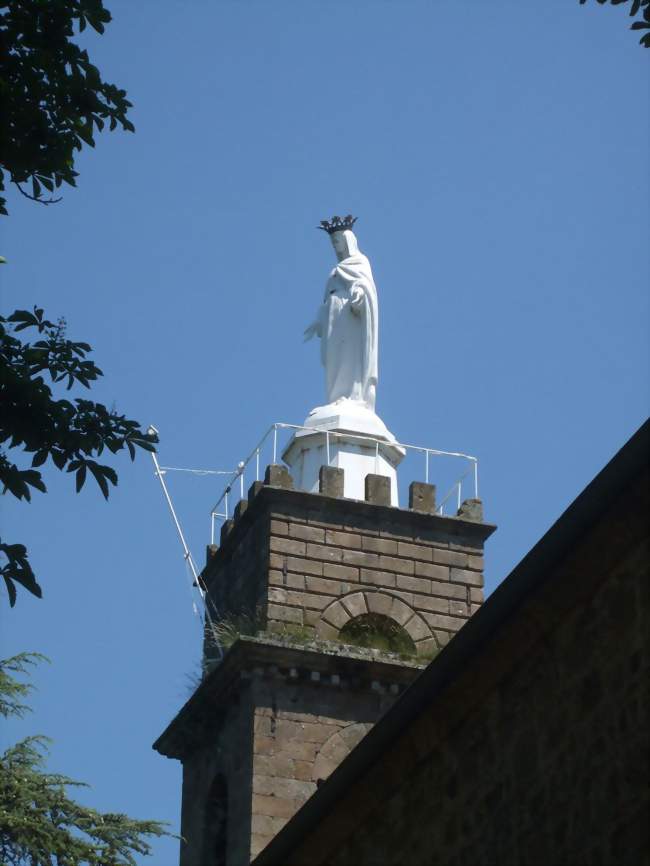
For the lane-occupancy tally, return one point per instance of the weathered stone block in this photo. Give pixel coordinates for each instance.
(226, 528)
(340, 572)
(284, 614)
(210, 551)
(331, 481)
(240, 508)
(324, 552)
(426, 646)
(439, 620)
(417, 628)
(287, 545)
(274, 806)
(379, 545)
(393, 563)
(413, 584)
(458, 608)
(336, 615)
(306, 533)
(254, 489)
(276, 578)
(378, 603)
(299, 565)
(435, 572)
(355, 604)
(459, 575)
(360, 557)
(279, 527)
(431, 603)
(277, 475)
(295, 581)
(450, 557)
(400, 611)
(320, 584)
(422, 497)
(448, 590)
(471, 509)
(343, 539)
(377, 489)
(377, 578)
(415, 551)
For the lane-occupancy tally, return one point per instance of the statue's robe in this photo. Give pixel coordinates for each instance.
(348, 328)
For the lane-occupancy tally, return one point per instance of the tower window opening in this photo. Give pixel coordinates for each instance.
(215, 824)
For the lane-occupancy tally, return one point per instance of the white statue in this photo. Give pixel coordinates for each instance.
(347, 321)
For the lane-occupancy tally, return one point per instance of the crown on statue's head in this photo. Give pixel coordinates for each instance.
(337, 224)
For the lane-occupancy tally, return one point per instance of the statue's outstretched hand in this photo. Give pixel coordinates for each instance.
(310, 332)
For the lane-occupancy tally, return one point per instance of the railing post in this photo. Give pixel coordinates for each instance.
(257, 465)
(327, 446)
(426, 466)
(212, 527)
(458, 489)
(226, 500)
(476, 479)
(376, 456)
(275, 444)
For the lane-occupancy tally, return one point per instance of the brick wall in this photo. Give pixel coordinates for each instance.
(329, 567)
(302, 732)
(315, 561)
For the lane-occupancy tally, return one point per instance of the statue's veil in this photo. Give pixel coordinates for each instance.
(355, 270)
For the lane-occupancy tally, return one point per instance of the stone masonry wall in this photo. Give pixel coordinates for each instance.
(330, 566)
(302, 732)
(313, 562)
(228, 755)
(537, 752)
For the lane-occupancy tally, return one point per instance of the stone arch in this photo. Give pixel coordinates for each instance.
(363, 601)
(337, 747)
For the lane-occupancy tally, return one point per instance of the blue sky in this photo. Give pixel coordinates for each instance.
(496, 156)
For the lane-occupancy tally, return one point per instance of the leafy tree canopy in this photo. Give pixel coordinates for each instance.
(642, 23)
(40, 825)
(69, 433)
(52, 98)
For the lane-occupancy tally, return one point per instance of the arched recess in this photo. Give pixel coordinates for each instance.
(341, 612)
(336, 748)
(215, 823)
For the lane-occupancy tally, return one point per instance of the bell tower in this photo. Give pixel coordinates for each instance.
(327, 596)
(333, 607)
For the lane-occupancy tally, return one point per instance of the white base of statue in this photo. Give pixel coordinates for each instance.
(339, 428)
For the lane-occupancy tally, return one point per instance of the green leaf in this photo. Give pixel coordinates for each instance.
(81, 477)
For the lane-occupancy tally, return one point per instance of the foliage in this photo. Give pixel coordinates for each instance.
(40, 825)
(375, 631)
(70, 433)
(52, 98)
(642, 23)
(12, 690)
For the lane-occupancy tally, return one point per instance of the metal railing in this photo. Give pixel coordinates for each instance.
(234, 490)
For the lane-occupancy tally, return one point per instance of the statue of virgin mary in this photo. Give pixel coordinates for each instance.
(347, 321)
